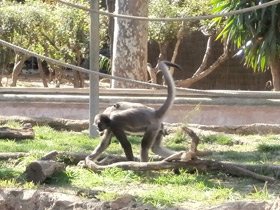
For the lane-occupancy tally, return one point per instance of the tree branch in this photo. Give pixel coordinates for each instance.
(205, 57)
(190, 81)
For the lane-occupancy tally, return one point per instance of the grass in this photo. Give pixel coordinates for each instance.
(159, 188)
(269, 148)
(217, 139)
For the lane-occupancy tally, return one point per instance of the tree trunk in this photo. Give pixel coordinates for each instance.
(180, 36)
(1, 75)
(111, 8)
(78, 79)
(19, 62)
(162, 56)
(275, 73)
(42, 74)
(162, 51)
(130, 43)
(152, 72)
(78, 76)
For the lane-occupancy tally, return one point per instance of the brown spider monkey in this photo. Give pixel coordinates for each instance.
(123, 105)
(137, 118)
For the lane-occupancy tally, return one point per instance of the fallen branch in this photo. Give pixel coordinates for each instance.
(56, 123)
(18, 134)
(261, 168)
(200, 165)
(104, 160)
(184, 159)
(193, 153)
(43, 168)
(14, 155)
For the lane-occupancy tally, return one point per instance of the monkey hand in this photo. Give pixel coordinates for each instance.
(81, 164)
(186, 156)
(90, 163)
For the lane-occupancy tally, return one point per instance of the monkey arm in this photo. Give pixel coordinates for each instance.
(105, 142)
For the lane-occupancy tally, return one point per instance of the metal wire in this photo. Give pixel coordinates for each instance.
(244, 94)
(236, 12)
(189, 90)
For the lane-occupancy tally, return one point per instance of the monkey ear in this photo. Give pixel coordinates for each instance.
(116, 105)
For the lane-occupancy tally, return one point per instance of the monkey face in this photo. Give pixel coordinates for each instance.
(101, 127)
(101, 121)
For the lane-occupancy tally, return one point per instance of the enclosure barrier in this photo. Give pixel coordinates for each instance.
(244, 94)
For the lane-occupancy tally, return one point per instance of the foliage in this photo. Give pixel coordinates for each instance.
(54, 30)
(163, 31)
(256, 32)
(22, 24)
(70, 35)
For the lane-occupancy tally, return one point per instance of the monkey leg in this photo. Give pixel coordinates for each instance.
(105, 142)
(121, 136)
(147, 142)
(158, 149)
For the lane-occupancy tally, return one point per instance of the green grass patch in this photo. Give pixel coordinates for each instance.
(47, 139)
(162, 196)
(269, 148)
(107, 196)
(217, 139)
(13, 124)
(159, 188)
(259, 193)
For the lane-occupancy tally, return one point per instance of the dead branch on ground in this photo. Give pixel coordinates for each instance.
(12, 155)
(200, 165)
(184, 159)
(19, 134)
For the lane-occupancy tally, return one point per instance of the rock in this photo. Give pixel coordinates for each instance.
(121, 202)
(23, 199)
(244, 205)
(39, 200)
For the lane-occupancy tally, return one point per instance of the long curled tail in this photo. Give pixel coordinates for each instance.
(163, 66)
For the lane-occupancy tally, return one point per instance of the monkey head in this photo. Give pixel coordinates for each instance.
(117, 105)
(101, 121)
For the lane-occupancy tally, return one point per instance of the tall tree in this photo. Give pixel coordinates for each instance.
(257, 33)
(130, 43)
